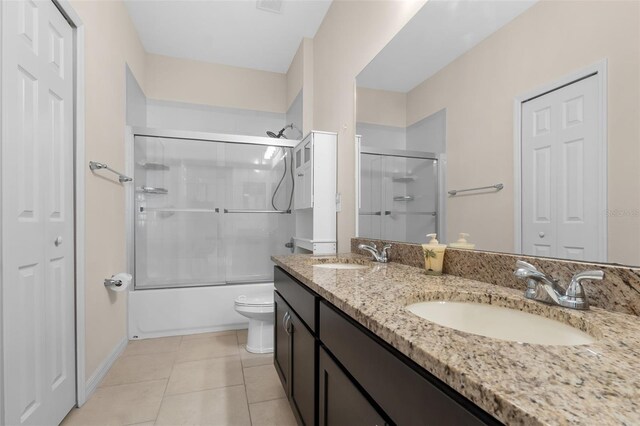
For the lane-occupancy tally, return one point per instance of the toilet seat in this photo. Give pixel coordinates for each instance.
(262, 301)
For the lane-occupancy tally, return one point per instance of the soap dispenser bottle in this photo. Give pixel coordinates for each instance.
(462, 242)
(433, 255)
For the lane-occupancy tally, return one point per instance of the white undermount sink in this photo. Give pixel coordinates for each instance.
(339, 266)
(500, 323)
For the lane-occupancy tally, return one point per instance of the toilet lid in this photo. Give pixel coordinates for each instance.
(260, 300)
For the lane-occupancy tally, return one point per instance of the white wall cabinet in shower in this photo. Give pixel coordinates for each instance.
(315, 193)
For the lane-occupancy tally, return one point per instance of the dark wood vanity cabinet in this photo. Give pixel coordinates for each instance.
(295, 349)
(340, 402)
(336, 372)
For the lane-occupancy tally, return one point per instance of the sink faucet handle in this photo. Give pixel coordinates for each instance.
(525, 265)
(372, 244)
(575, 292)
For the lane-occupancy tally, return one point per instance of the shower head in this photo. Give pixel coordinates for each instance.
(280, 133)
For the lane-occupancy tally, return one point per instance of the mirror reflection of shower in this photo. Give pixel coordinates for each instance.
(399, 192)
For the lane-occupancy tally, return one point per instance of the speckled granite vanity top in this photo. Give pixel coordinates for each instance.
(517, 383)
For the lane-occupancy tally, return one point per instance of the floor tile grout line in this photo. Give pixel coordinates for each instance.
(244, 382)
(203, 390)
(166, 386)
(267, 400)
(132, 383)
(177, 361)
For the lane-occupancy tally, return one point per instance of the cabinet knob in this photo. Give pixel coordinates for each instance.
(58, 241)
(300, 174)
(541, 234)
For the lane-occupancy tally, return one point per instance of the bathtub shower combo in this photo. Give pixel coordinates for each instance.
(206, 213)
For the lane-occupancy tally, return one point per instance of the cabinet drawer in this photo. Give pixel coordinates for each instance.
(406, 395)
(301, 300)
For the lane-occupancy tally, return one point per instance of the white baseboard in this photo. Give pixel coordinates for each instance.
(97, 376)
(189, 331)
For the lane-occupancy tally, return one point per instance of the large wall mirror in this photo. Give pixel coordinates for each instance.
(515, 122)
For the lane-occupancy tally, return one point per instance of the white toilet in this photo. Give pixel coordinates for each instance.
(259, 310)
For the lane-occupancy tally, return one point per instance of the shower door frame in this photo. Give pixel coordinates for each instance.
(132, 132)
(441, 161)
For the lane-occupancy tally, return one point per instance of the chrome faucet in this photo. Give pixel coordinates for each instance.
(381, 256)
(543, 288)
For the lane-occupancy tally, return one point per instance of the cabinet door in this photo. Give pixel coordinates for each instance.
(302, 378)
(304, 174)
(340, 401)
(281, 349)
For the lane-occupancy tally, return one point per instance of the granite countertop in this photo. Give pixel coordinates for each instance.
(515, 382)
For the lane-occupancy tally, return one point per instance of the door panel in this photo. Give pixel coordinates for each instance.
(303, 383)
(37, 210)
(561, 208)
(340, 401)
(281, 350)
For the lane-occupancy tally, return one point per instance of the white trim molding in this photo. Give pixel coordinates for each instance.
(103, 368)
(599, 70)
(2, 136)
(79, 194)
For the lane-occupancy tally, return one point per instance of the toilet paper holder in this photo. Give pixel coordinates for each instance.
(110, 281)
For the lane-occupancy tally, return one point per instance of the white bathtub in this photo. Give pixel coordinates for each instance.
(179, 311)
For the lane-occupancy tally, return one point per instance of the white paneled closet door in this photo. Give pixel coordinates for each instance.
(562, 208)
(37, 214)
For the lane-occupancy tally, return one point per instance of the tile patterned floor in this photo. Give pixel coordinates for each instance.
(202, 379)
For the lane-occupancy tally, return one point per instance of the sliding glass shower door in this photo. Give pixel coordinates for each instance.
(205, 212)
(398, 195)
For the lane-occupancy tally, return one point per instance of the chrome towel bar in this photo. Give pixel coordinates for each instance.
(94, 165)
(497, 187)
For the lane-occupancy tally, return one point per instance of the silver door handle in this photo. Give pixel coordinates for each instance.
(58, 241)
(287, 324)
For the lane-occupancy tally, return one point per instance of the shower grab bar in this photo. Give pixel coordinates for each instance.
(152, 190)
(94, 165)
(497, 187)
(403, 198)
(390, 212)
(257, 211)
(170, 210)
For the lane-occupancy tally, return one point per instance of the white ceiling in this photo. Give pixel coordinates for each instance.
(439, 33)
(230, 32)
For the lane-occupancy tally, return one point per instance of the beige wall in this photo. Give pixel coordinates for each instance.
(381, 107)
(196, 82)
(111, 42)
(478, 90)
(300, 77)
(351, 34)
(295, 75)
